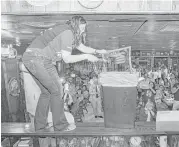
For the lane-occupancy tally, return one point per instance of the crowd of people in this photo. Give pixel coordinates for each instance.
(158, 90)
(80, 91)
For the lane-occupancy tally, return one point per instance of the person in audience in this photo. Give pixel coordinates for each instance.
(152, 87)
(95, 98)
(166, 83)
(86, 94)
(172, 80)
(67, 95)
(144, 86)
(157, 83)
(40, 58)
(78, 80)
(150, 110)
(149, 95)
(79, 97)
(161, 82)
(84, 88)
(77, 87)
(72, 89)
(160, 105)
(175, 91)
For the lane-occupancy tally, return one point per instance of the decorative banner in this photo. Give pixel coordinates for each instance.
(121, 56)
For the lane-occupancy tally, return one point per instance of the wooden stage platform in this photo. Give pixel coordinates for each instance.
(10, 130)
(83, 129)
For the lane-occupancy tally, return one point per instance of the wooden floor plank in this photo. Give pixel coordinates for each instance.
(20, 129)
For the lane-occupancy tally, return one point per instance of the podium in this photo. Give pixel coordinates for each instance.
(119, 93)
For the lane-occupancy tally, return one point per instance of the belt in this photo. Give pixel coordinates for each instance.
(43, 56)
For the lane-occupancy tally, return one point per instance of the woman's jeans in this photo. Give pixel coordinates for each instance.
(46, 77)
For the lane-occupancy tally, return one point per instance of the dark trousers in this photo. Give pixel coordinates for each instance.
(46, 77)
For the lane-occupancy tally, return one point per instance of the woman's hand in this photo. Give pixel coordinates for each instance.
(91, 58)
(101, 51)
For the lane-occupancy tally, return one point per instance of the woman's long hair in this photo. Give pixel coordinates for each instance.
(78, 38)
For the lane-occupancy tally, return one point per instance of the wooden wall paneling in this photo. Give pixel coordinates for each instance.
(111, 33)
(98, 34)
(10, 68)
(152, 26)
(6, 98)
(5, 117)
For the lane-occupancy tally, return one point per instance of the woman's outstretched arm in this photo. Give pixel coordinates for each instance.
(68, 58)
(89, 50)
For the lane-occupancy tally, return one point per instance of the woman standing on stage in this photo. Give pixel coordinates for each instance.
(39, 58)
